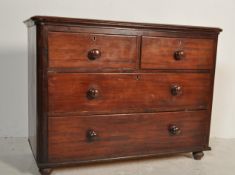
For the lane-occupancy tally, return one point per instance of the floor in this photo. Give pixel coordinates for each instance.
(16, 159)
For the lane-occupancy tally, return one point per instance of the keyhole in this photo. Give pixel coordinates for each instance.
(137, 77)
(94, 38)
(180, 43)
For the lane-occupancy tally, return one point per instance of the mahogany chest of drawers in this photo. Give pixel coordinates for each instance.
(104, 90)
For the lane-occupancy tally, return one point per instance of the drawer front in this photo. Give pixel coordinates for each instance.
(87, 50)
(99, 137)
(96, 93)
(177, 53)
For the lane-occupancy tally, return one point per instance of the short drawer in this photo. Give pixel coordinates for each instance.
(89, 50)
(84, 138)
(177, 53)
(106, 93)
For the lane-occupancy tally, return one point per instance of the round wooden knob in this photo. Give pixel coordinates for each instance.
(92, 93)
(179, 55)
(174, 130)
(176, 90)
(94, 54)
(91, 135)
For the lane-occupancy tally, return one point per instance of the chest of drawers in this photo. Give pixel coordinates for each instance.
(104, 90)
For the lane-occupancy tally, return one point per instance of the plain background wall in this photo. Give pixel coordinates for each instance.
(13, 47)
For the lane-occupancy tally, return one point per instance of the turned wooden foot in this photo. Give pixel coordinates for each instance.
(45, 171)
(198, 155)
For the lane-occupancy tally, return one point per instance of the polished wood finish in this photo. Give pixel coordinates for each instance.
(91, 135)
(179, 54)
(114, 24)
(92, 93)
(176, 53)
(176, 90)
(123, 135)
(198, 155)
(32, 108)
(46, 171)
(174, 130)
(125, 93)
(37, 86)
(89, 50)
(96, 87)
(94, 54)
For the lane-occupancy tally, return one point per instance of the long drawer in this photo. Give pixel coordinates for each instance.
(84, 138)
(98, 93)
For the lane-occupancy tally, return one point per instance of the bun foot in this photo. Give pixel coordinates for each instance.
(198, 155)
(45, 171)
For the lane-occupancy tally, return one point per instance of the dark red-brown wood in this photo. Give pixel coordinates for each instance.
(163, 53)
(125, 93)
(198, 155)
(71, 50)
(123, 135)
(45, 171)
(32, 106)
(123, 76)
(37, 86)
(101, 23)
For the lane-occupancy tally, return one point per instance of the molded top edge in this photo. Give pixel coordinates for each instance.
(79, 21)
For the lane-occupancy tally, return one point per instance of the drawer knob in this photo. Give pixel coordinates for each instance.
(92, 93)
(176, 90)
(91, 135)
(94, 54)
(174, 130)
(179, 55)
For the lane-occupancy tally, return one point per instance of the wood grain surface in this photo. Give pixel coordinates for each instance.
(158, 53)
(123, 135)
(125, 93)
(108, 90)
(70, 50)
